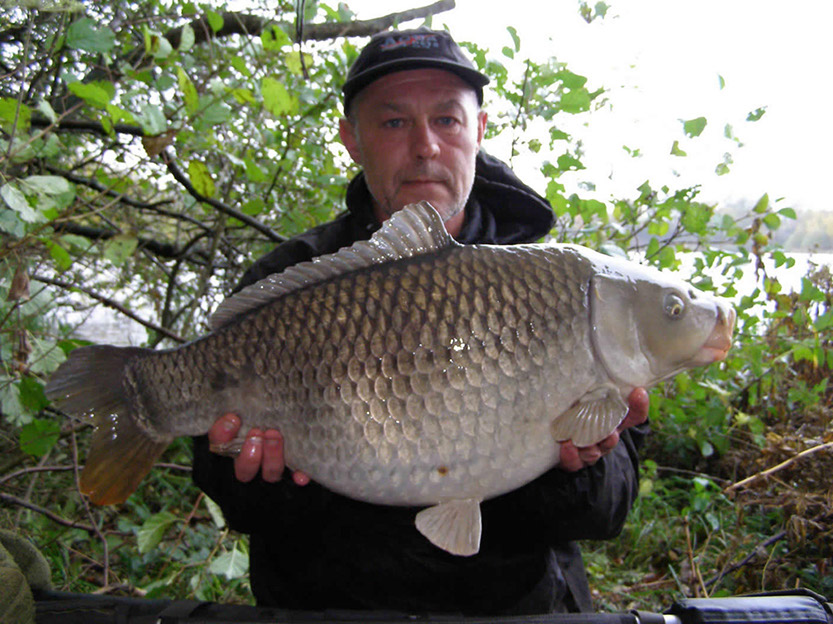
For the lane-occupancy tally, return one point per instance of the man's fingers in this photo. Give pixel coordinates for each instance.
(224, 429)
(569, 459)
(273, 464)
(247, 464)
(638, 402)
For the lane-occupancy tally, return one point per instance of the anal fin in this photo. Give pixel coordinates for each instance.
(454, 526)
(594, 417)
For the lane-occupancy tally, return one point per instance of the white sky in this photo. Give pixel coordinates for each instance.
(660, 61)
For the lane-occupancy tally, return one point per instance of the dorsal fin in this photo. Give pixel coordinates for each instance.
(415, 230)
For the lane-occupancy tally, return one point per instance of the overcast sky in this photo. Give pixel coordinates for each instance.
(661, 61)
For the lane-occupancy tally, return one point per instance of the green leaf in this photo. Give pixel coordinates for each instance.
(233, 564)
(515, 39)
(32, 396)
(215, 512)
(253, 172)
(508, 52)
(17, 201)
(186, 40)
(788, 213)
(215, 20)
(694, 127)
(763, 204)
(276, 98)
(11, 111)
(772, 221)
(566, 162)
(756, 114)
(723, 167)
(189, 91)
(119, 248)
(47, 111)
(293, 62)
(575, 101)
(45, 356)
(240, 65)
(201, 178)
(570, 80)
(676, 151)
(84, 34)
(48, 185)
(274, 38)
(696, 217)
(152, 120)
(10, 403)
(39, 436)
(215, 113)
(153, 530)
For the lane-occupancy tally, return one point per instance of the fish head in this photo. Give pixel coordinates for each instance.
(649, 325)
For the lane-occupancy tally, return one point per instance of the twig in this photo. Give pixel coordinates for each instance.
(86, 502)
(180, 177)
(112, 304)
(723, 573)
(25, 471)
(780, 466)
(14, 500)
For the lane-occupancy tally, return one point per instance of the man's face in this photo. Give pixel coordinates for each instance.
(416, 134)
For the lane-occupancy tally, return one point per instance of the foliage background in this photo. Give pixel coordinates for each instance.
(151, 149)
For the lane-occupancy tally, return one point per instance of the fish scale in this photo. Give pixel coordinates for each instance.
(405, 370)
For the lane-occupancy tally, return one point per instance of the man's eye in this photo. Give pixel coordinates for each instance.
(394, 123)
(447, 121)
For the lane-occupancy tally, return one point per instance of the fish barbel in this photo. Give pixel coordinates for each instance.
(407, 369)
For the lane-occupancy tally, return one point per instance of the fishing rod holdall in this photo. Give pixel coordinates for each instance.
(785, 607)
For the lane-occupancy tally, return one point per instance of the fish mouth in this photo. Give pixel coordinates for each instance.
(717, 345)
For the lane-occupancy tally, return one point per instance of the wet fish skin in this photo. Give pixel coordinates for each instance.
(406, 370)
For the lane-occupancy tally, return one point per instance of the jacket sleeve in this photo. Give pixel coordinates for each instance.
(591, 503)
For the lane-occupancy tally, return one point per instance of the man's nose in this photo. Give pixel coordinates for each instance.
(424, 141)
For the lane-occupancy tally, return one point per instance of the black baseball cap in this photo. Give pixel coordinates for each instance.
(398, 50)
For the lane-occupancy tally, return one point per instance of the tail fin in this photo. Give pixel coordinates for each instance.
(91, 383)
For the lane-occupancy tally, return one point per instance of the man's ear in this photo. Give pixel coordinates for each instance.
(482, 118)
(347, 132)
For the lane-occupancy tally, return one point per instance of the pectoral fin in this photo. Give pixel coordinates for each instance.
(594, 417)
(454, 526)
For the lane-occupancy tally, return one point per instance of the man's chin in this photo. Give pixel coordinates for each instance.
(441, 204)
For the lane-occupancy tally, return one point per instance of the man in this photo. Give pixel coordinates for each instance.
(414, 123)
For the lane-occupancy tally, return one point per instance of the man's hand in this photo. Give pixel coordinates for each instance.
(575, 458)
(262, 451)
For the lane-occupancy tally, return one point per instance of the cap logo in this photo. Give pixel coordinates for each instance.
(413, 41)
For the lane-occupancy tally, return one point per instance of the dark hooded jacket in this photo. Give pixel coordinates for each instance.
(312, 549)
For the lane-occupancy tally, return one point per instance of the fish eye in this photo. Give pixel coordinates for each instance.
(673, 306)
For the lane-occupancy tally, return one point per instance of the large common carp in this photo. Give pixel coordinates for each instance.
(407, 369)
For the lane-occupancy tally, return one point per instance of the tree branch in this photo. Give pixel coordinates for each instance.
(14, 500)
(180, 177)
(163, 250)
(111, 304)
(253, 25)
(781, 466)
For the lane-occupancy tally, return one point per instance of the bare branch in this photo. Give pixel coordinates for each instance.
(781, 466)
(163, 250)
(367, 28)
(252, 25)
(180, 177)
(14, 500)
(111, 304)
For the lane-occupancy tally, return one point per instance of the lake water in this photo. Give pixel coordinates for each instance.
(105, 326)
